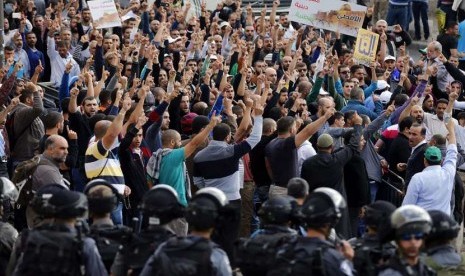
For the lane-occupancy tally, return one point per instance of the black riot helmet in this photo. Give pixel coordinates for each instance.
(323, 206)
(444, 227)
(205, 208)
(161, 205)
(65, 204)
(377, 213)
(40, 203)
(278, 210)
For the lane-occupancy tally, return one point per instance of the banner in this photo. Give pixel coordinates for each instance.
(104, 14)
(366, 46)
(332, 15)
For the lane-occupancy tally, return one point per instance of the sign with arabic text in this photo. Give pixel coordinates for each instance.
(332, 15)
(104, 14)
(366, 46)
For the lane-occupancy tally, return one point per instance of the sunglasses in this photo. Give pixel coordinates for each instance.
(409, 237)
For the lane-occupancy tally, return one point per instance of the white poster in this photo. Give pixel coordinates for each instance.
(104, 14)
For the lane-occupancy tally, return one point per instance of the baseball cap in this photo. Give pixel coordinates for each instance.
(213, 57)
(389, 57)
(325, 140)
(423, 51)
(323, 92)
(186, 122)
(385, 97)
(382, 84)
(224, 24)
(433, 154)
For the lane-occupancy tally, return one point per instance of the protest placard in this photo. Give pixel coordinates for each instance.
(325, 14)
(366, 46)
(104, 14)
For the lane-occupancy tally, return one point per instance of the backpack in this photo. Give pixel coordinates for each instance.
(141, 247)
(255, 256)
(293, 259)
(52, 251)
(109, 241)
(22, 178)
(181, 256)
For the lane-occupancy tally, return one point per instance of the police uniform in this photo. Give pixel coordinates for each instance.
(218, 258)
(127, 259)
(398, 267)
(312, 256)
(369, 253)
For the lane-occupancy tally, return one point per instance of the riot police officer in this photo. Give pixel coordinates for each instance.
(442, 256)
(59, 248)
(160, 205)
(410, 224)
(195, 254)
(8, 234)
(256, 255)
(370, 251)
(103, 199)
(314, 254)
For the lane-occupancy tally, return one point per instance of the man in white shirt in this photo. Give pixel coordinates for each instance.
(432, 188)
(59, 57)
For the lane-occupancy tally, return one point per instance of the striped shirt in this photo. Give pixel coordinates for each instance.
(102, 163)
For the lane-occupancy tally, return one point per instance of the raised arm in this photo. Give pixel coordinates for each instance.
(199, 138)
(312, 128)
(117, 125)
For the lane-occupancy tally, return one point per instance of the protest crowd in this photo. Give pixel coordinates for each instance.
(171, 137)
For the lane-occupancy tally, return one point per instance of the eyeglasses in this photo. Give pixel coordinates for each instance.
(409, 237)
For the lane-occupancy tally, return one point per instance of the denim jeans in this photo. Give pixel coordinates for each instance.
(420, 9)
(117, 214)
(260, 195)
(398, 15)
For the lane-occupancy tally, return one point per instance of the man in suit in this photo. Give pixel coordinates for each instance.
(418, 144)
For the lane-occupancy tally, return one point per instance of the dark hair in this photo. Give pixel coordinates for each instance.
(26, 93)
(95, 119)
(461, 115)
(400, 99)
(221, 131)
(423, 128)
(284, 124)
(355, 67)
(443, 101)
(405, 123)
(52, 119)
(440, 140)
(348, 115)
(337, 116)
(104, 96)
(8, 48)
(297, 187)
(199, 123)
(89, 98)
